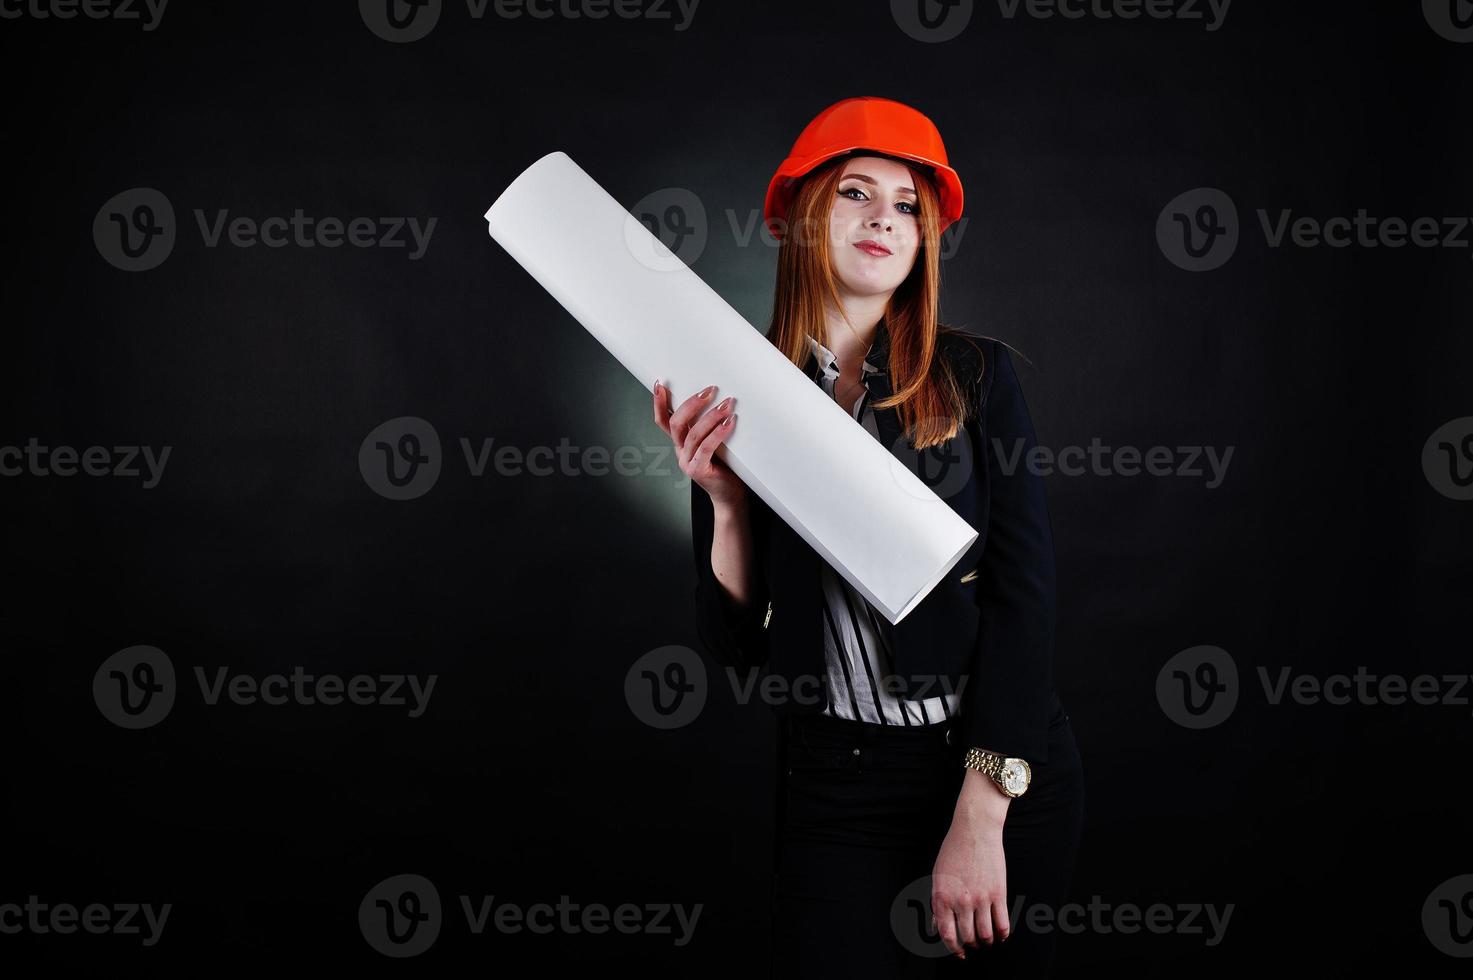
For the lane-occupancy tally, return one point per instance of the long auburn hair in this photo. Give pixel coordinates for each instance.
(930, 398)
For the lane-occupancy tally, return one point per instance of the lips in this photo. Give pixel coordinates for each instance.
(873, 248)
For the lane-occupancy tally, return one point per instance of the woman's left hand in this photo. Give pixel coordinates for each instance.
(969, 885)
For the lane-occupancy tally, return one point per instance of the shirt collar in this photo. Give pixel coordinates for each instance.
(828, 361)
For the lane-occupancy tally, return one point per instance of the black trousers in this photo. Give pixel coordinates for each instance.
(862, 812)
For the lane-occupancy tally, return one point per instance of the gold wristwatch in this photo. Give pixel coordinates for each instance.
(1011, 774)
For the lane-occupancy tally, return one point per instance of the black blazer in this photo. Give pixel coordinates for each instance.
(992, 635)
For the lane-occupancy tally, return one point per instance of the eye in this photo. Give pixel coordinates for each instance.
(909, 208)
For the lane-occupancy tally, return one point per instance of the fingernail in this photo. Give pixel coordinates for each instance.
(657, 384)
(726, 402)
(706, 390)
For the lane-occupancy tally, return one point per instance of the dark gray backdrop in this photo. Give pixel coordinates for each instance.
(1336, 832)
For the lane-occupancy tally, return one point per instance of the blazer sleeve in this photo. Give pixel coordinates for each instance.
(1006, 701)
(734, 637)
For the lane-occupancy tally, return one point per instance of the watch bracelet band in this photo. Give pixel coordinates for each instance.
(988, 763)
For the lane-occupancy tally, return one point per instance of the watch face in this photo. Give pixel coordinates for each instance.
(1015, 776)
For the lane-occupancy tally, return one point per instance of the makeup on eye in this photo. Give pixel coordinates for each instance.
(844, 192)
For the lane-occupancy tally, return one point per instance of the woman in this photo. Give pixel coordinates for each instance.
(899, 851)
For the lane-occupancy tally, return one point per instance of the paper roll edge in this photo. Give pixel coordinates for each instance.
(535, 165)
(930, 586)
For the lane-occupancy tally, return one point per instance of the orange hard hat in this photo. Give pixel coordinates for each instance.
(864, 123)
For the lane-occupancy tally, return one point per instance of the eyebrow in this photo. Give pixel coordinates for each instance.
(871, 180)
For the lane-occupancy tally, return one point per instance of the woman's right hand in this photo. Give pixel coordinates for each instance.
(696, 440)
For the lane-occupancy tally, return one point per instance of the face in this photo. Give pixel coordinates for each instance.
(875, 202)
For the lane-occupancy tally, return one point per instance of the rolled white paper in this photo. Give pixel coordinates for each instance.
(872, 519)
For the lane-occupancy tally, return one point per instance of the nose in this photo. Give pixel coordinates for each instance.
(880, 216)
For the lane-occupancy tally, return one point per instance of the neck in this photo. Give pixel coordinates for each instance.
(852, 340)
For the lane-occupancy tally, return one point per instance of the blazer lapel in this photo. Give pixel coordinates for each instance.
(887, 420)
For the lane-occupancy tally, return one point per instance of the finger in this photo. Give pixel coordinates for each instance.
(982, 919)
(698, 430)
(1004, 926)
(681, 419)
(946, 927)
(966, 926)
(706, 448)
(662, 407)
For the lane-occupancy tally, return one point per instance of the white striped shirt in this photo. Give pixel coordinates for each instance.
(854, 652)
